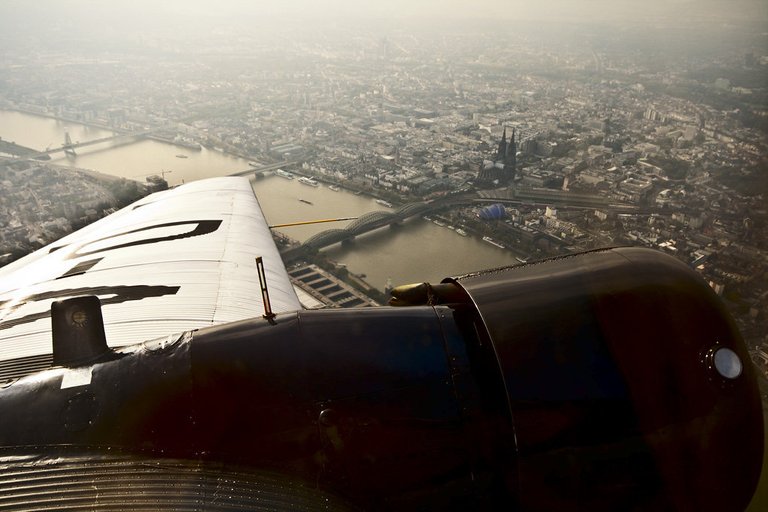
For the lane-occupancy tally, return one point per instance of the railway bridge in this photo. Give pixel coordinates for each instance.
(363, 224)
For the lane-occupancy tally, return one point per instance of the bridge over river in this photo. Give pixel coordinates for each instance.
(256, 170)
(378, 219)
(365, 223)
(67, 146)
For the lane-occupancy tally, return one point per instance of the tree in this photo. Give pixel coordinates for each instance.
(156, 183)
(126, 191)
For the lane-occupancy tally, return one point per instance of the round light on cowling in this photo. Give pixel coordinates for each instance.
(79, 318)
(727, 363)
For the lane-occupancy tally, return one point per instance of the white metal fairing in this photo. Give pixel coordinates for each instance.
(177, 260)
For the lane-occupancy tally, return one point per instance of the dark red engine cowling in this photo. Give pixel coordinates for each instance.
(609, 380)
(629, 385)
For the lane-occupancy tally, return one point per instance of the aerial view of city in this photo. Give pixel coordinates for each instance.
(405, 142)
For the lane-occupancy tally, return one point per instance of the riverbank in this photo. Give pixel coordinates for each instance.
(64, 119)
(98, 176)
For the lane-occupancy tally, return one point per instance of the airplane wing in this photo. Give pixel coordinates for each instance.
(177, 260)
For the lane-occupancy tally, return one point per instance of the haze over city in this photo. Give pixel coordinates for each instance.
(408, 97)
(443, 136)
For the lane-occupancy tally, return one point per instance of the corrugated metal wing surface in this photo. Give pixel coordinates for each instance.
(176, 260)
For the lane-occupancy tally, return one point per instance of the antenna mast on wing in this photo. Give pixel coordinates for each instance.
(268, 314)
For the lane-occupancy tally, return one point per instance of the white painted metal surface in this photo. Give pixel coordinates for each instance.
(177, 260)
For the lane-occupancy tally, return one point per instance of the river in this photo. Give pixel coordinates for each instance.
(416, 251)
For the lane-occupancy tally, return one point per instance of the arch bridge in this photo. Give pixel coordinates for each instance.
(365, 223)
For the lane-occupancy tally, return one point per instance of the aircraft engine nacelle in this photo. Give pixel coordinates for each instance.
(629, 386)
(608, 380)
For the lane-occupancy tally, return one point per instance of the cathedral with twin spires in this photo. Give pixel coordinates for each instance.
(501, 170)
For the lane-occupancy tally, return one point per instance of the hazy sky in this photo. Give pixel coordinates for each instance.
(545, 9)
(52, 25)
(554, 10)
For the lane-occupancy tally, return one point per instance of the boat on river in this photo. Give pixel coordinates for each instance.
(308, 181)
(493, 242)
